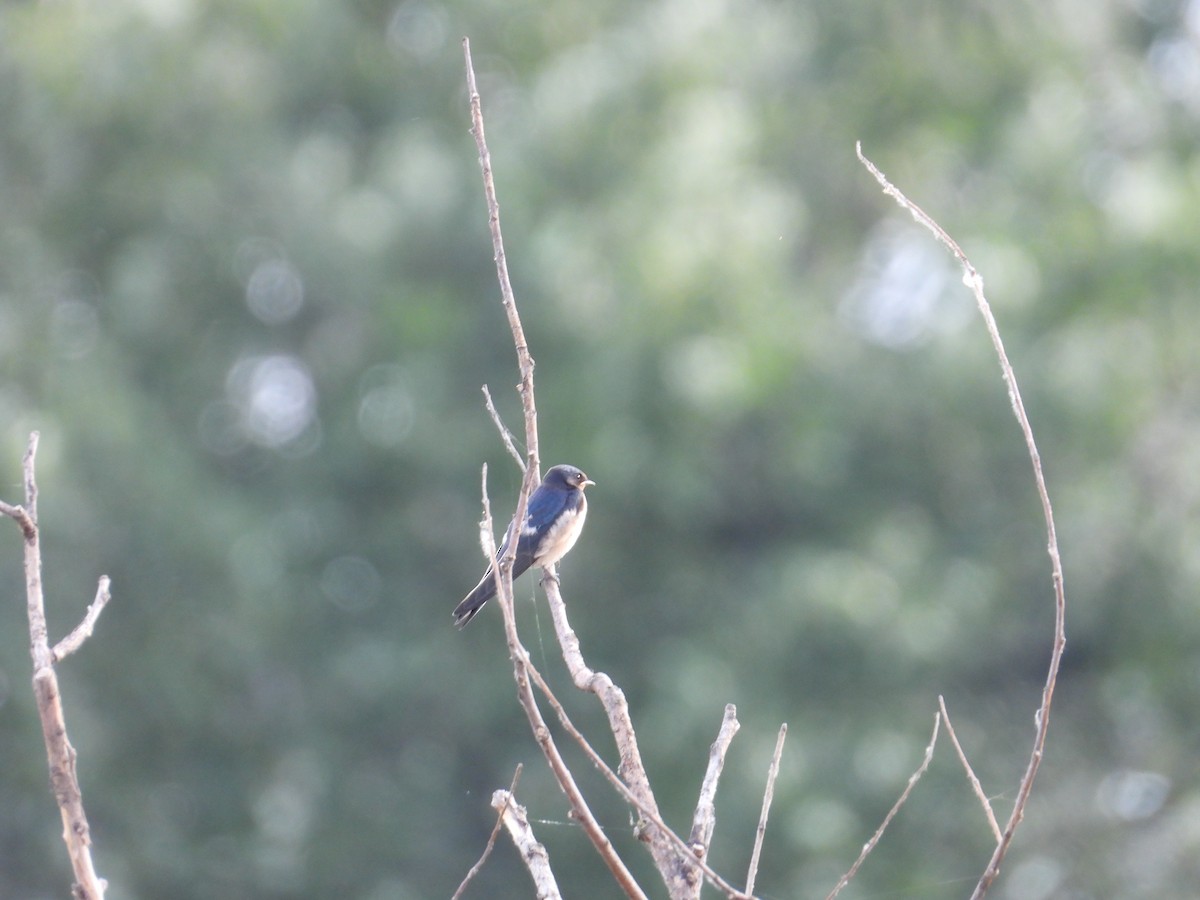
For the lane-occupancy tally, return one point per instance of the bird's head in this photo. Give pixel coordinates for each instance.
(568, 477)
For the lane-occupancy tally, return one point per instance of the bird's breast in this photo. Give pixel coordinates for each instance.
(560, 536)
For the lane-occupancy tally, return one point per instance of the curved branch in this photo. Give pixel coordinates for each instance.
(974, 281)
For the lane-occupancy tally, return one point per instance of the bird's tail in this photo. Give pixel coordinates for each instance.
(473, 602)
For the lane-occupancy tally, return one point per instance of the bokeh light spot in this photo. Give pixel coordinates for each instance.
(275, 398)
(385, 410)
(275, 291)
(351, 583)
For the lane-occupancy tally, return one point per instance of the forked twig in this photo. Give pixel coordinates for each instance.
(505, 434)
(672, 855)
(975, 785)
(974, 281)
(60, 754)
(648, 814)
(491, 841)
(887, 820)
(533, 854)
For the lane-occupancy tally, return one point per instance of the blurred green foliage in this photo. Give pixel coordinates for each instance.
(247, 297)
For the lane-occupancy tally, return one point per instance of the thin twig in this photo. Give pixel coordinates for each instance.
(974, 281)
(975, 785)
(768, 796)
(84, 629)
(60, 755)
(533, 854)
(505, 434)
(491, 842)
(525, 362)
(705, 819)
(870, 845)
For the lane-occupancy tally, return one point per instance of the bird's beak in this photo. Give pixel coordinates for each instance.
(587, 482)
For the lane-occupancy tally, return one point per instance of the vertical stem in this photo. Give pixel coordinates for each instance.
(60, 754)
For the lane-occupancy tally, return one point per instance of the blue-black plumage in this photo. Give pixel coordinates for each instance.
(553, 520)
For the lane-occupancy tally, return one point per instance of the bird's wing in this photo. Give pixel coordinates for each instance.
(527, 539)
(544, 506)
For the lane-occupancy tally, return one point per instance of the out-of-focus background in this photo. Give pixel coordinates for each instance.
(247, 297)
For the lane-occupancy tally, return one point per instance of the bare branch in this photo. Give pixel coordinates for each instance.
(505, 434)
(83, 630)
(632, 770)
(512, 814)
(517, 652)
(768, 795)
(974, 281)
(491, 841)
(887, 820)
(650, 816)
(671, 855)
(705, 819)
(975, 785)
(60, 754)
(541, 732)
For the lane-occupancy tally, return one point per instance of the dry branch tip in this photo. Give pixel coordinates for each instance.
(768, 796)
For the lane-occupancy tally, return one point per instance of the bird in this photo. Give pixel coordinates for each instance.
(553, 520)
